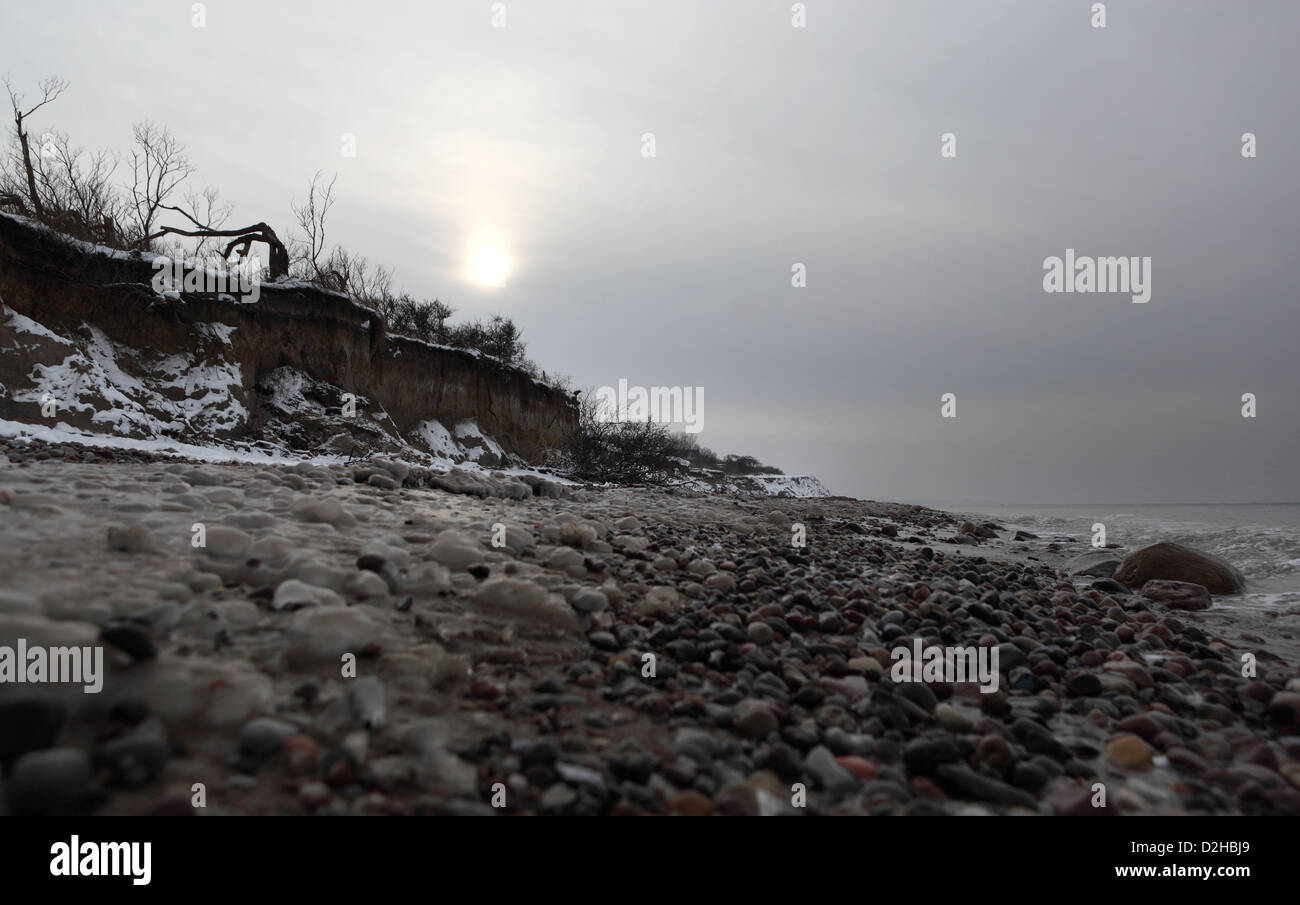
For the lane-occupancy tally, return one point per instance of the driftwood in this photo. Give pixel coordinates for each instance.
(240, 239)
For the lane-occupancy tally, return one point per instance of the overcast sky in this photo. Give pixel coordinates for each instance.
(777, 145)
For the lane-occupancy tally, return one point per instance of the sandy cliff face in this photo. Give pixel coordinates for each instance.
(83, 328)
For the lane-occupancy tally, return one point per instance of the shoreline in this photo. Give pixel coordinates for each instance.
(1271, 628)
(519, 669)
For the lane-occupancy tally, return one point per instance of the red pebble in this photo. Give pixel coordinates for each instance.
(859, 766)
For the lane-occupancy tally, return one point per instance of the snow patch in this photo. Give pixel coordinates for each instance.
(62, 433)
(479, 444)
(219, 332)
(20, 323)
(438, 439)
(286, 389)
(91, 379)
(778, 485)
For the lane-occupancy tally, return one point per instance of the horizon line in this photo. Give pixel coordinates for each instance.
(1109, 503)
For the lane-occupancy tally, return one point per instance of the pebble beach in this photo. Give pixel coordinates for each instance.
(378, 638)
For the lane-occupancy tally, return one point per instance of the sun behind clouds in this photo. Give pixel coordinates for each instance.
(488, 265)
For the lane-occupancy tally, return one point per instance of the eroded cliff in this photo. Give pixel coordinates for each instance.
(87, 342)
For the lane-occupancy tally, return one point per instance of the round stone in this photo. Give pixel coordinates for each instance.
(1129, 752)
(264, 736)
(54, 781)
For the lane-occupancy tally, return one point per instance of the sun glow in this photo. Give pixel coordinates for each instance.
(488, 266)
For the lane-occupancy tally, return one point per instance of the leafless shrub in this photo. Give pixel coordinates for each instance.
(602, 448)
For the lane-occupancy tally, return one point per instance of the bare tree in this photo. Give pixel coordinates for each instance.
(352, 273)
(76, 190)
(58, 184)
(51, 88)
(73, 192)
(310, 217)
(338, 269)
(158, 166)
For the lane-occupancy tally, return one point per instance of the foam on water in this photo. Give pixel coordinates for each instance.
(1262, 540)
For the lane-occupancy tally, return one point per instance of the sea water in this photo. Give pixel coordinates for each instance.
(1260, 539)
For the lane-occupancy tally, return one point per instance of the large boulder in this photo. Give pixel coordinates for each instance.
(1174, 562)
(1098, 563)
(1181, 595)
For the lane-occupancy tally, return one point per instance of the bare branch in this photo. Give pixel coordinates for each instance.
(310, 217)
(51, 88)
(158, 166)
(241, 239)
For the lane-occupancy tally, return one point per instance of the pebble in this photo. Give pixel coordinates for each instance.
(367, 586)
(1181, 595)
(737, 799)
(582, 777)
(919, 694)
(136, 758)
(131, 539)
(773, 662)
(327, 511)
(658, 601)
(1029, 776)
(690, 803)
(994, 751)
(293, 594)
(197, 477)
(397, 469)
(860, 767)
(264, 736)
(53, 781)
(720, 581)
(952, 719)
(302, 755)
(1187, 761)
(695, 744)
(1139, 724)
(1284, 708)
(924, 755)
(589, 600)
(29, 721)
(524, 599)
(456, 550)
(965, 781)
(1291, 772)
(1130, 752)
(558, 799)
(1084, 684)
(755, 719)
(131, 639)
(567, 559)
(603, 641)
(314, 794)
(820, 763)
(224, 541)
(326, 633)
(365, 700)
